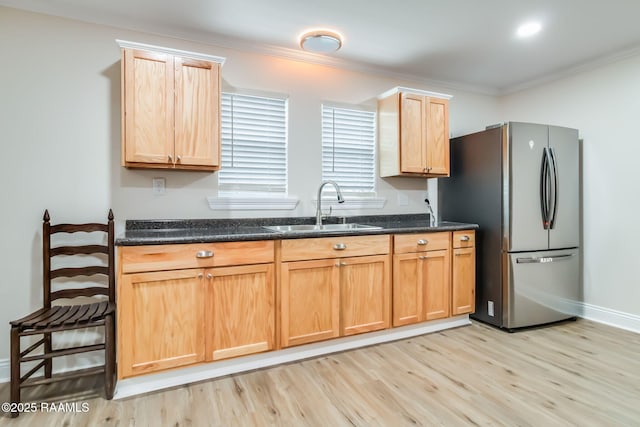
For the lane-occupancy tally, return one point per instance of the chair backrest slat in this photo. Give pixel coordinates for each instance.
(79, 271)
(48, 252)
(84, 292)
(77, 228)
(79, 250)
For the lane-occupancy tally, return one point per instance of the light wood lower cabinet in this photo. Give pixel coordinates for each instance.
(310, 301)
(240, 311)
(178, 317)
(184, 304)
(364, 294)
(464, 272)
(334, 296)
(421, 286)
(160, 321)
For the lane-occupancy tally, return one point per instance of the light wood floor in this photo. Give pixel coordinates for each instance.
(576, 373)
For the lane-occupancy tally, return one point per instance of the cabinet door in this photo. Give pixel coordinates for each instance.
(437, 141)
(364, 294)
(148, 107)
(160, 321)
(310, 298)
(435, 266)
(412, 133)
(464, 281)
(197, 118)
(407, 289)
(240, 313)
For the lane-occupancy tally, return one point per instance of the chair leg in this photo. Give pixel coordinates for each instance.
(109, 356)
(48, 364)
(15, 368)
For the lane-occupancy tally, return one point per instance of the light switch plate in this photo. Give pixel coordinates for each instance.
(158, 186)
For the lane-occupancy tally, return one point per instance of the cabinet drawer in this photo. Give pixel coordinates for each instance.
(332, 247)
(197, 255)
(464, 239)
(406, 243)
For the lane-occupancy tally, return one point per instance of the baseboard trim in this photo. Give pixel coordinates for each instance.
(5, 372)
(152, 382)
(607, 316)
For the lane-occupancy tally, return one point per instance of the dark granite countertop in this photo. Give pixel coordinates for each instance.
(159, 232)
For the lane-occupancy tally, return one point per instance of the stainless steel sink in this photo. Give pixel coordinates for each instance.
(306, 228)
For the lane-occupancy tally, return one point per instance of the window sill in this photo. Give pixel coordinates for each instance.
(251, 203)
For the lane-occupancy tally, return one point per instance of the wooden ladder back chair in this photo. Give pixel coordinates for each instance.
(57, 318)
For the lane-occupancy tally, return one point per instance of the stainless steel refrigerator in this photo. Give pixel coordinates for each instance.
(520, 183)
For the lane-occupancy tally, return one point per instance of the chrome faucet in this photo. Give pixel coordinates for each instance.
(319, 205)
(432, 218)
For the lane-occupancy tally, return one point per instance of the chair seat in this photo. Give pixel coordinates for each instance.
(65, 316)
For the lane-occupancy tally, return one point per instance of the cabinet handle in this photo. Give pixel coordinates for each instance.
(209, 276)
(204, 254)
(422, 242)
(339, 246)
(340, 264)
(464, 238)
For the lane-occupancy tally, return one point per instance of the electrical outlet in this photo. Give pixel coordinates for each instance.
(158, 186)
(490, 308)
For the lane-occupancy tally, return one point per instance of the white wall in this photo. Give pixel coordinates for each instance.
(604, 104)
(60, 124)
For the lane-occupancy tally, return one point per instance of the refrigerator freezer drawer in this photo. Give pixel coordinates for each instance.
(543, 287)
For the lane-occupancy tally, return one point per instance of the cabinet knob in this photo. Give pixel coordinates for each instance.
(178, 158)
(422, 242)
(170, 158)
(422, 257)
(204, 254)
(339, 246)
(209, 276)
(342, 264)
(200, 276)
(465, 238)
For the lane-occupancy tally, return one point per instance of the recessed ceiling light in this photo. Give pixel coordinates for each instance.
(529, 29)
(321, 41)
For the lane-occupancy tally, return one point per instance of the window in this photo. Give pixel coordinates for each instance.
(348, 149)
(254, 144)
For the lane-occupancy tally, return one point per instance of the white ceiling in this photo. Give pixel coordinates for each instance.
(462, 43)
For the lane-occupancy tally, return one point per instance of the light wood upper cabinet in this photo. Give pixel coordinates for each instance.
(160, 321)
(464, 272)
(171, 111)
(413, 135)
(240, 310)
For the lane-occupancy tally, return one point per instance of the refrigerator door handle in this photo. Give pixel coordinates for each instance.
(554, 182)
(544, 189)
(541, 260)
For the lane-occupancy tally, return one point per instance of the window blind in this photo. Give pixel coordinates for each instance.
(348, 148)
(254, 144)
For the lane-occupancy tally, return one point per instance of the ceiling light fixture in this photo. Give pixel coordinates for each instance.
(321, 41)
(529, 29)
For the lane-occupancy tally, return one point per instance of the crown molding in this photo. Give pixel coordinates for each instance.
(124, 44)
(571, 71)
